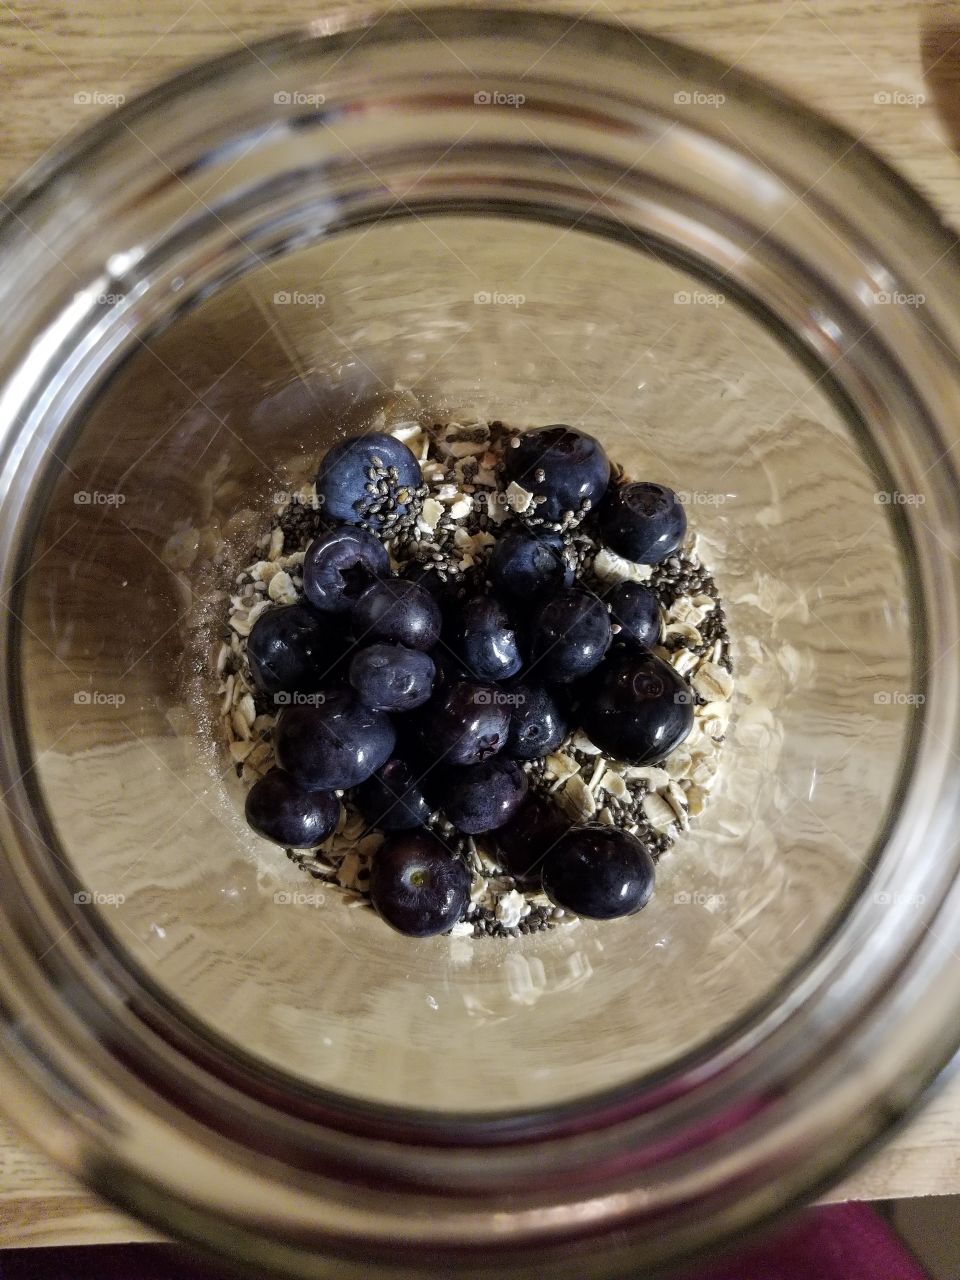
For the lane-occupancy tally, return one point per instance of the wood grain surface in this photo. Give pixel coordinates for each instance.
(838, 55)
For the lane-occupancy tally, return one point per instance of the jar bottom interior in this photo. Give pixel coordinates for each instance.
(233, 402)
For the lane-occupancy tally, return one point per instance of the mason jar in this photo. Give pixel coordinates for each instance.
(462, 214)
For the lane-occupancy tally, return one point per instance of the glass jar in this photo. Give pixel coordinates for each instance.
(491, 214)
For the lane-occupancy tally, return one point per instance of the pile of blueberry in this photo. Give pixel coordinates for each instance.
(421, 700)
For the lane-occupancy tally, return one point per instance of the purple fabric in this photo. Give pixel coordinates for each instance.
(835, 1242)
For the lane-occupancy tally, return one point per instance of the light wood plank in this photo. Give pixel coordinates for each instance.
(836, 54)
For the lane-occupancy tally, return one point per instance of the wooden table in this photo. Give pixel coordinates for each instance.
(836, 54)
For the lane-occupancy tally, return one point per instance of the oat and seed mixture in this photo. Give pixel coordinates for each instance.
(452, 525)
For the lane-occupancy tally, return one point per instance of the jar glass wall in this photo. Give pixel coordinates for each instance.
(349, 226)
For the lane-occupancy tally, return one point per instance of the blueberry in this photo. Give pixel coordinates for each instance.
(644, 522)
(340, 565)
(564, 466)
(537, 724)
(638, 708)
(450, 670)
(344, 482)
(568, 698)
(569, 636)
(455, 589)
(426, 576)
(486, 640)
(391, 798)
(335, 741)
(391, 677)
(465, 723)
(480, 797)
(418, 886)
(524, 563)
(636, 610)
(289, 650)
(524, 841)
(393, 609)
(599, 872)
(281, 810)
